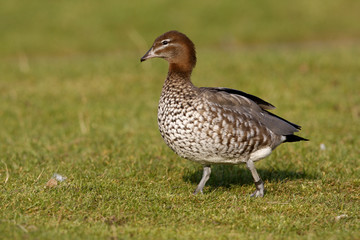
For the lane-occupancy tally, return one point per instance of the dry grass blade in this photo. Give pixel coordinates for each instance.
(6, 172)
(39, 176)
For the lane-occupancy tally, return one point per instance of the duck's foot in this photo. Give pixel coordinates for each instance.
(258, 182)
(198, 191)
(259, 192)
(205, 177)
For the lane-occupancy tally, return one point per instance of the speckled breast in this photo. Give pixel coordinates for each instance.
(204, 133)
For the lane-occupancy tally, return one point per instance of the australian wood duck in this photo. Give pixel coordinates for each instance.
(213, 125)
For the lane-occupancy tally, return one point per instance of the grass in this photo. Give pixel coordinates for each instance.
(75, 100)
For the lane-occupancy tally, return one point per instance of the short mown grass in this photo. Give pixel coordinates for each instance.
(75, 100)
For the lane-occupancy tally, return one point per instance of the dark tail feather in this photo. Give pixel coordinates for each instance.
(294, 138)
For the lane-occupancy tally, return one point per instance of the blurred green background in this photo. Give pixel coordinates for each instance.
(69, 27)
(75, 100)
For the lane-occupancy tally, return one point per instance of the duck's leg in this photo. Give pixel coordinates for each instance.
(258, 182)
(205, 177)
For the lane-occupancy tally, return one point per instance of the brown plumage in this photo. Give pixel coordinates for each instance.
(213, 125)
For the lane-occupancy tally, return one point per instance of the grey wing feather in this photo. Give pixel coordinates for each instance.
(262, 103)
(253, 106)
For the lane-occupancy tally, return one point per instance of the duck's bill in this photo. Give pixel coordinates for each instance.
(149, 54)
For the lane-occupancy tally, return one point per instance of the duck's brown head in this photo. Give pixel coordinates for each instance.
(176, 48)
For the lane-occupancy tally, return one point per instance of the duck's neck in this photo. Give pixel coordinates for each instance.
(181, 68)
(179, 81)
(178, 76)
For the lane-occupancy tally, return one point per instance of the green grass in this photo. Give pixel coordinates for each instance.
(75, 100)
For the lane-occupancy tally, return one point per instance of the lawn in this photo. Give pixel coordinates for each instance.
(75, 100)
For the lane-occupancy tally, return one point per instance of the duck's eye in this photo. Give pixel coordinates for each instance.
(165, 42)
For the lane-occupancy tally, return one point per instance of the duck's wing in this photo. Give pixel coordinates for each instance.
(262, 103)
(249, 105)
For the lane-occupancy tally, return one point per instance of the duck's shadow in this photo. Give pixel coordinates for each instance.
(227, 175)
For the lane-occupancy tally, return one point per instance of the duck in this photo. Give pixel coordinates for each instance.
(211, 125)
